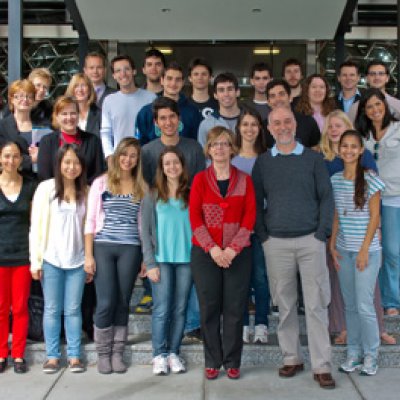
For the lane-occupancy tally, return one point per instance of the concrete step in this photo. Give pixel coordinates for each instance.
(139, 351)
(141, 323)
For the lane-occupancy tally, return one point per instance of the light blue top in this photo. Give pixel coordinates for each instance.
(174, 235)
(245, 164)
(347, 103)
(296, 151)
(353, 223)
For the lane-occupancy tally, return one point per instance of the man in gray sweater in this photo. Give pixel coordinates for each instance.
(294, 225)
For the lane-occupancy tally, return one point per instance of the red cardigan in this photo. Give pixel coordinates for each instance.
(223, 221)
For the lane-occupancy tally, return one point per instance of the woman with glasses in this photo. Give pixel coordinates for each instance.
(222, 215)
(17, 126)
(382, 137)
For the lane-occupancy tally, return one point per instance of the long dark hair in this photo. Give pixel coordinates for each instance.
(260, 144)
(363, 124)
(360, 184)
(80, 181)
(161, 182)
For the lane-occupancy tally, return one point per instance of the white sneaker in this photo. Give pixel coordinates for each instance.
(176, 364)
(246, 334)
(160, 365)
(261, 334)
(369, 367)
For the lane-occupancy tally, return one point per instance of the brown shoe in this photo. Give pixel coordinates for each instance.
(287, 371)
(325, 380)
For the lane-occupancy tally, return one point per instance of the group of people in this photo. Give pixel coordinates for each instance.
(210, 198)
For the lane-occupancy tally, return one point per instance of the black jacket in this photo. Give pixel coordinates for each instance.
(91, 150)
(94, 120)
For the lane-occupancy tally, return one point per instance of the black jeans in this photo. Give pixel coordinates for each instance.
(222, 292)
(117, 266)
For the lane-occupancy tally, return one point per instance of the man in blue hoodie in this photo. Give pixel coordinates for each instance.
(226, 92)
(172, 82)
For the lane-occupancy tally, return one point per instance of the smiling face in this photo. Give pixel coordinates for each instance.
(348, 78)
(377, 77)
(350, 149)
(278, 97)
(70, 166)
(23, 101)
(95, 70)
(128, 158)
(226, 94)
(42, 87)
(10, 158)
(220, 149)
(124, 73)
(81, 91)
(167, 121)
(172, 82)
(317, 91)
(249, 129)
(375, 109)
(282, 126)
(172, 166)
(153, 69)
(336, 127)
(67, 119)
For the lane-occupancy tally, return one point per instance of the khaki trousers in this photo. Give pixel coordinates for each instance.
(284, 257)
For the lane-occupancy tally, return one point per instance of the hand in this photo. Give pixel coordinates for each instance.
(33, 153)
(362, 259)
(143, 271)
(336, 257)
(89, 278)
(218, 256)
(37, 275)
(90, 265)
(229, 254)
(154, 274)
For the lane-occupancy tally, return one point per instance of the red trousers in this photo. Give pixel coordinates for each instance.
(15, 283)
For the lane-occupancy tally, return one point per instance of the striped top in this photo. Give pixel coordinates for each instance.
(120, 220)
(353, 222)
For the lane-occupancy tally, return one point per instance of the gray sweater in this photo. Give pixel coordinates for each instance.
(190, 148)
(148, 233)
(299, 196)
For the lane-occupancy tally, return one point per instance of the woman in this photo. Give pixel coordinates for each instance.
(18, 126)
(65, 120)
(382, 138)
(166, 241)
(355, 250)
(315, 99)
(250, 142)
(58, 212)
(16, 194)
(113, 253)
(222, 216)
(82, 90)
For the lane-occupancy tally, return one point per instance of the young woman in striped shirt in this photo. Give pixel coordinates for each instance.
(113, 251)
(356, 252)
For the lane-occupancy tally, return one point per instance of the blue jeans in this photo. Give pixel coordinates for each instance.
(170, 297)
(62, 290)
(259, 283)
(389, 275)
(192, 321)
(358, 289)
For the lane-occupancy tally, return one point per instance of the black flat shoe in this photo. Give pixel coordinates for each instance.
(20, 367)
(3, 365)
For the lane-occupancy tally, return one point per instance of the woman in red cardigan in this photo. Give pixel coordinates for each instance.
(222, 215)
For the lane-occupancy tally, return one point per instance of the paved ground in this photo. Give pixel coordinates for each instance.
(139, 383)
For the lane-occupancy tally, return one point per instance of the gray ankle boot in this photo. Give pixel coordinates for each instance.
(104, 339)
(117, 363)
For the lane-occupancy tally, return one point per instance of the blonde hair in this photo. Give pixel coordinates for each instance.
(214, 134)
(74, 82)
(114, 173)
(325, 145)
(21, 85)
(60, 103)
(42, 73)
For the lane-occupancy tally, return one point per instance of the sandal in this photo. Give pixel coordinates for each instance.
(341, 339)
(388, 339)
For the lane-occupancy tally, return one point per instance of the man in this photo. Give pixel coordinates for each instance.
(260, 76)
(307, 131)
(200, 73)
(226, 92)
(172, 82)
(121, 108)
(153, 68)
(95, 70)
(348, 77)
(377, 77)
(292, 73)
(294, 227)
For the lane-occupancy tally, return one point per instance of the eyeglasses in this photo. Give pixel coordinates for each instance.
(220, 144)
(376, 148)
(23, 97)
(377, 73)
